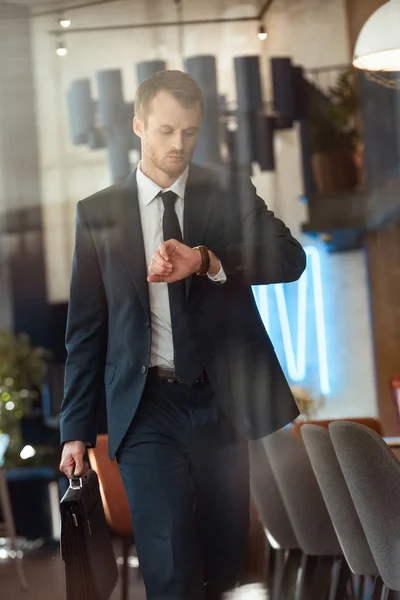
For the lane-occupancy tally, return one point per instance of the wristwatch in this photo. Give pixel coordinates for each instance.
(205, 260)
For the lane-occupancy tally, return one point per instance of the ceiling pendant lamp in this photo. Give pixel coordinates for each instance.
(378, 45)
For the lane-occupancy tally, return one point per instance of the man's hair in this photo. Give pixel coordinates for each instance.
(177, 83)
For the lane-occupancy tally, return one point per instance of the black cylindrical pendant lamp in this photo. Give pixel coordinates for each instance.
(112, 112)
(248, 83)
(246, 141)
(203, 69)
(147, 68)
(265, 143)
(133, 139)
(249, 109)
(283, 88)
(300, 94)
(308, 177)
(96, 139)
(81, 111)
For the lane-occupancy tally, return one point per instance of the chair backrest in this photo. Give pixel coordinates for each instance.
(338, 500)
(268, 499)
(301, 494)
(370, 422)
(112, 489)
(372, 475)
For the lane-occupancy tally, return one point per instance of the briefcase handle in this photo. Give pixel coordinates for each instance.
(75, 483)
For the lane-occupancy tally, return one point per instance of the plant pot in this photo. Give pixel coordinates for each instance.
(334, 172)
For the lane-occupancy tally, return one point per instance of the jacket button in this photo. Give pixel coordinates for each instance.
(143, 369)
(147, 324)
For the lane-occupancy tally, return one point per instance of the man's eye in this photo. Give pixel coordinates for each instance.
(190, 133)
(166, 131)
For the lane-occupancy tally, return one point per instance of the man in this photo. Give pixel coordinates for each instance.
(189, 371)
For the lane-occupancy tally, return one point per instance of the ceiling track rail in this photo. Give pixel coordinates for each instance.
(190, 22)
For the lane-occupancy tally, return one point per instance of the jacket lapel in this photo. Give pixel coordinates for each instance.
(132, 239)
(197, 209)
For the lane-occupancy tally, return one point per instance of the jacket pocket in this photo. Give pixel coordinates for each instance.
(109, 373)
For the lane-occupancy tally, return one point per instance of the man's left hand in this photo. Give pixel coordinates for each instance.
(174, 261)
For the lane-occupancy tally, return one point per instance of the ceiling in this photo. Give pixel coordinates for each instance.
(43, 7)
(49, 6)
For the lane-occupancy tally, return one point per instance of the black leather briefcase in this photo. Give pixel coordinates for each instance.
(86, 547)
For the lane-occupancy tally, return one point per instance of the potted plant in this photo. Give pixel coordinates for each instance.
(334, 135)
(22, 371)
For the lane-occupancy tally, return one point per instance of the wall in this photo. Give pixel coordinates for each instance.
(314, 33)
(23, 297)
(383, 261)
(358, 11)
(349, 336)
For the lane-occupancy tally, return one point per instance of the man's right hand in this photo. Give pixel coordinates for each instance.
(72, 462)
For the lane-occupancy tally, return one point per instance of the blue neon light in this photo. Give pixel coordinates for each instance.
(296, 361)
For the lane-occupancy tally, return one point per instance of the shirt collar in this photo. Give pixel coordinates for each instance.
(148, 189)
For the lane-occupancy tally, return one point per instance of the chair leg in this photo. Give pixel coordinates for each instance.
(290, 574)
(335, 576)
(125, 568)
(341, 577)
(361, 587)
(308, 568)
(322, 578)
(270, 567)
(377, 589)
(358, 586)
(279, 565)
(385, 593)
(350, 588)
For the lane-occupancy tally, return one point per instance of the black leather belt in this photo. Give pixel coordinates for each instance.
(171, 376)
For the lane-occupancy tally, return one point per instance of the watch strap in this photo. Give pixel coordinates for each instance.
(205, 260)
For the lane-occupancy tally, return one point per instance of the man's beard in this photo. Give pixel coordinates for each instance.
(172, 169)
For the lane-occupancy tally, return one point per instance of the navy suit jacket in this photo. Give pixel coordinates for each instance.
(108, 335)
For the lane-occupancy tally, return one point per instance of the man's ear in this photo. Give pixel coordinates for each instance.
(137, 126)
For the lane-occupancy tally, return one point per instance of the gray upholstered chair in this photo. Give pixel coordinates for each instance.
(372, 475)
(308, 514)
(284, 548)
(340, 506)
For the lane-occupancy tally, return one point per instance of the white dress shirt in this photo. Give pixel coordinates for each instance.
(151, 215)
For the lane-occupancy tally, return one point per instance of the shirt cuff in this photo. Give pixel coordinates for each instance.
(220, 277)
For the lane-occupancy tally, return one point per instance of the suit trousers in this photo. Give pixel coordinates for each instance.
(186, 474)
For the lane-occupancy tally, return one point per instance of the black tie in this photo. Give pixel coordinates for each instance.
(188, 364)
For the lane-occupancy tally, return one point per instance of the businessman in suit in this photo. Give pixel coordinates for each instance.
(162, 314)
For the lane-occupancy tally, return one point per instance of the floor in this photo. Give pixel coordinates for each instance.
(45, 575)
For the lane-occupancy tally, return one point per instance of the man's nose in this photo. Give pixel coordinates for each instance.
(178, 141)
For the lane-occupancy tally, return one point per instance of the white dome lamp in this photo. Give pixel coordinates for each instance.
(378, 44)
